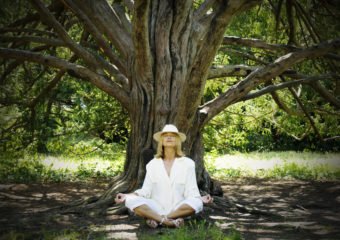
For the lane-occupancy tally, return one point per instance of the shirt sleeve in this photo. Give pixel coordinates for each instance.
(146, 189)
(191, 188)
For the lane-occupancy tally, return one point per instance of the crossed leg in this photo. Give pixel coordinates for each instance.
(183, 211)
(147, 212)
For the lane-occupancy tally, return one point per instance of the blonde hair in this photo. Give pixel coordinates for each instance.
(178, 148)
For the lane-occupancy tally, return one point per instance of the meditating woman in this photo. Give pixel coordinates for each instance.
(169, 191)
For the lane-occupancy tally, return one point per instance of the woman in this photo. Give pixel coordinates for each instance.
(169, 190)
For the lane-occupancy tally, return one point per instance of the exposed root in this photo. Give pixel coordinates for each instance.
(116, 210)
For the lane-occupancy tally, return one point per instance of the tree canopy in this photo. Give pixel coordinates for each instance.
(39, 102)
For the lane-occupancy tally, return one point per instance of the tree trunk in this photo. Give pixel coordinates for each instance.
(167, 79)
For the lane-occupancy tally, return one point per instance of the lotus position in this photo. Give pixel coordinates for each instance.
(169, 191)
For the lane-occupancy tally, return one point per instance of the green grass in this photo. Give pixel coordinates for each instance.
(195, 230)
(299, 165)
(47, 168)
(192, 231)
(58, 168)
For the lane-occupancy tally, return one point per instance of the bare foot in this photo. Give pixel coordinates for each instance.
(151, 223)
(177, 223)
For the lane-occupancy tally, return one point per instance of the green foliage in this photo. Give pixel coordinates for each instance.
(11, 9)
(196, 230)
(48, 168)
(75, 112)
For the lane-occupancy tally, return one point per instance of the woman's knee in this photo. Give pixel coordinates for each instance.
(195, 204)
(186, 207)
(141, 209)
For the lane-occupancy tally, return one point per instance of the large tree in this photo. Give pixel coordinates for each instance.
(155, 57)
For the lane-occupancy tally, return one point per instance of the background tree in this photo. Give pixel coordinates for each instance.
(154, 58)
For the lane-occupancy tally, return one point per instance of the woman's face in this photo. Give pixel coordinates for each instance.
(169, 139)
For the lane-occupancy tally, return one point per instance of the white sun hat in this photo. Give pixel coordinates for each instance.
(169, 128)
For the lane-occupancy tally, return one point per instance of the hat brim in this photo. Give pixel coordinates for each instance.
(157, 136)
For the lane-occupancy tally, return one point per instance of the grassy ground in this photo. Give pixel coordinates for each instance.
(257, 164)
(48, 168)
(300, 165)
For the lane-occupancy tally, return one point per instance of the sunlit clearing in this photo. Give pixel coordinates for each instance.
(269, 160)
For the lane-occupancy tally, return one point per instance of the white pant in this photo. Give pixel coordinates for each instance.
(133, 201)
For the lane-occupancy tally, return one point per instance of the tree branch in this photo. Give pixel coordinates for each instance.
(8, 70)
(27, 30)
(102, 44)
(210, 42)
(51, 85)
(124, 18)
(112, 88)
(261, 75)
(238, 53)
(308, 24)
(291, 22)
(16, 63)
(55, 6)
(89, 58)
(8, 102)
(230, 71)
(63, 35)
(284, 107)
(203, 8)
(273, 88)
(325, 94)
(258, 43)
(107, 21)
(331, 138)
(243, 71)
(129, 4)
(291, 134)
(48, 41)
(305, 111)
(325, 112)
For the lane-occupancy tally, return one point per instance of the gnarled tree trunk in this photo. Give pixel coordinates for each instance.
(168, 79)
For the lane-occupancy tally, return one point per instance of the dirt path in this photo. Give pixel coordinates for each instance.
(311, 210)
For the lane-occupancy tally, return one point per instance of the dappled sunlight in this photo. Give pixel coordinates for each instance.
(117, 231)
(309, 209)
(113, 227)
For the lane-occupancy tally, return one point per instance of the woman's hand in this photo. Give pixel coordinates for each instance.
(120, 198)
(207, 199)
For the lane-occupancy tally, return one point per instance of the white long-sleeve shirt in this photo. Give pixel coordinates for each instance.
(168, 192)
